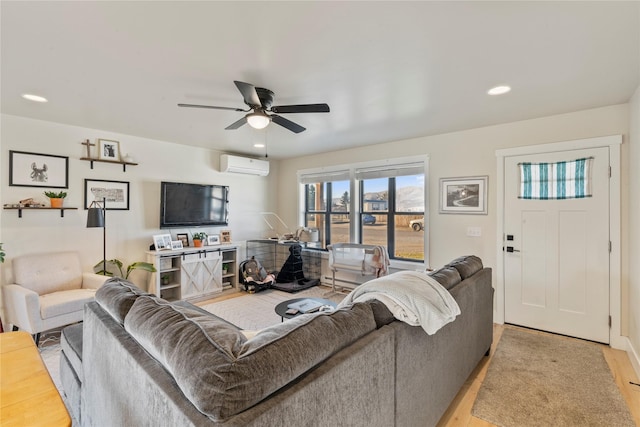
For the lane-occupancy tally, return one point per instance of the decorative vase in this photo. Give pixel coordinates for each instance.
(197, 243)
(56, 203)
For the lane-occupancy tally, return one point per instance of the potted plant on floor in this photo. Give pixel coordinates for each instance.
(199, 238)
(56, 198)
(116, 263)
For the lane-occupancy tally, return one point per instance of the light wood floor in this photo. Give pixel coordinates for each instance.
(459, 413)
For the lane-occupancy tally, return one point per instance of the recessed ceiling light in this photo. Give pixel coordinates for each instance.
(499, 90)
(35, 98)
(258, 145)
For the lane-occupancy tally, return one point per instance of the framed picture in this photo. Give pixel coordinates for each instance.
(184, 238)
(116, 193)
(108, 150)
(38, 170)
(225, 236)
(465, 195)
(213, 239)
(176, 244)
(162, 241)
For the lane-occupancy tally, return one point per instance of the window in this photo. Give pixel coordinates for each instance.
(386, 208)
(398, 201)
(327, 202)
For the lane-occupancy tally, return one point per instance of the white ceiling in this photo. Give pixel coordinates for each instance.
(388, 70)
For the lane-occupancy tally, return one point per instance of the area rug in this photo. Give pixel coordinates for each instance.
(257, 311)
(544, 380)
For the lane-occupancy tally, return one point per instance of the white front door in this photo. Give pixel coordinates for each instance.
(556, 257)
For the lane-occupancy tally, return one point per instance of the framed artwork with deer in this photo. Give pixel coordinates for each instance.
(38, 170)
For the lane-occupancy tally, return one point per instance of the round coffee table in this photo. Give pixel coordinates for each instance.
(281, 309)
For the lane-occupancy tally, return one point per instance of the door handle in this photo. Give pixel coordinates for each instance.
(511, 249)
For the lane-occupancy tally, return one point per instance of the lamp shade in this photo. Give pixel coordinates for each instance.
(258, 120)
(95, 216)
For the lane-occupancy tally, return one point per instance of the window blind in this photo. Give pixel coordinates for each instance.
(389, 171)
(324, 177)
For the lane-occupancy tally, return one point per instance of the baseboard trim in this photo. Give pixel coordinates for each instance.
(634, 357)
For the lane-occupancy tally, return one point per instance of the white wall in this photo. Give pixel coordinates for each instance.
(129, 233)
(472, 152)
(633, 300)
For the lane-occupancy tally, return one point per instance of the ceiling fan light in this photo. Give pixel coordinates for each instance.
(258, 120)
(499, 90)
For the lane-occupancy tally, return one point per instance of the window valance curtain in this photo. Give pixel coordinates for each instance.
(553, 181)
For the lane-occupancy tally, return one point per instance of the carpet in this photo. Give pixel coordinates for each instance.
(257, 311)
(544, 380)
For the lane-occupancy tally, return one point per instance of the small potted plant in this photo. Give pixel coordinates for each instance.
(56, 198)
(166, 278)
(199, 238)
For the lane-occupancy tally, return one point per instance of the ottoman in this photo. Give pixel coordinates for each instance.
(71, 367)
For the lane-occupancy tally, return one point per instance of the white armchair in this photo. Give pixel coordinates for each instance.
(50, 291)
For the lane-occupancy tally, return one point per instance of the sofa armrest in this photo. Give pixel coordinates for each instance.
(22, 307)
(93, 281)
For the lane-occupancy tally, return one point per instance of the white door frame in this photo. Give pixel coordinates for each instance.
(613, 142)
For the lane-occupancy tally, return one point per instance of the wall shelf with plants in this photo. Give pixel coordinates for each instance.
(56, 200)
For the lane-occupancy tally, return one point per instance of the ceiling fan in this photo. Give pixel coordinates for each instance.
(259, 101)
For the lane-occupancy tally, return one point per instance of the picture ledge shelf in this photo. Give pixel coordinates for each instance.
(44, 208)
(117, 162)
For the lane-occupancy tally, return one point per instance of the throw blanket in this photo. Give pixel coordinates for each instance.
(413, 297)
(377, 262)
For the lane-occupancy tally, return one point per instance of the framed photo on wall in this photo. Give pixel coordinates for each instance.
(108, 150)
(464, 195)
(115, 192)
(38, 170)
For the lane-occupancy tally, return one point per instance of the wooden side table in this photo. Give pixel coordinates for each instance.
(28, 396)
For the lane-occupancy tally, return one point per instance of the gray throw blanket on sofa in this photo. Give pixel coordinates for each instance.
(413, 297)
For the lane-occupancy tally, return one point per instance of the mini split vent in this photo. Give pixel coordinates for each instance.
(245, 165)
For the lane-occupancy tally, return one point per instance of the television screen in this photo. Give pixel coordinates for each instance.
(189, 205)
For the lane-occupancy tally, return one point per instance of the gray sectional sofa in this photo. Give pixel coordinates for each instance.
(147, 362)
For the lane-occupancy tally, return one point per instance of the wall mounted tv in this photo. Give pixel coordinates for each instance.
(190, 205)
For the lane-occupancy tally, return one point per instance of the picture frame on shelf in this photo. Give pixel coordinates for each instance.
(162, 241)
(213, 239)
(115, 192)
(38, 170)
(176, 244)
(464, 195)
(108, 150)
(225, 236)
(184, 238)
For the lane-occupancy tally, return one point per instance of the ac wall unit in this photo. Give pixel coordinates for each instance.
(246, 165)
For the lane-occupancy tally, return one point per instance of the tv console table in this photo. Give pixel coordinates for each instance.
(193, 273)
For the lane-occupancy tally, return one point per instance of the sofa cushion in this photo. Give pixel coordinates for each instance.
(447, 277)
(231, 373)
(466, 265)
(46, 273)
(117, 296)
(65, 302)
(381, 314)
(71, 346)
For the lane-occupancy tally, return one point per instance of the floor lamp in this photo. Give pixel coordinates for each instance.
(96, 218)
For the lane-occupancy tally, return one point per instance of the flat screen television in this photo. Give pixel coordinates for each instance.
(190, 205)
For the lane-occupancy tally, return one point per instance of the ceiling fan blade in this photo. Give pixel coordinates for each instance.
(237, 124)
(306, 108)
(211, 107)
(293, 127)
(249, 94)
